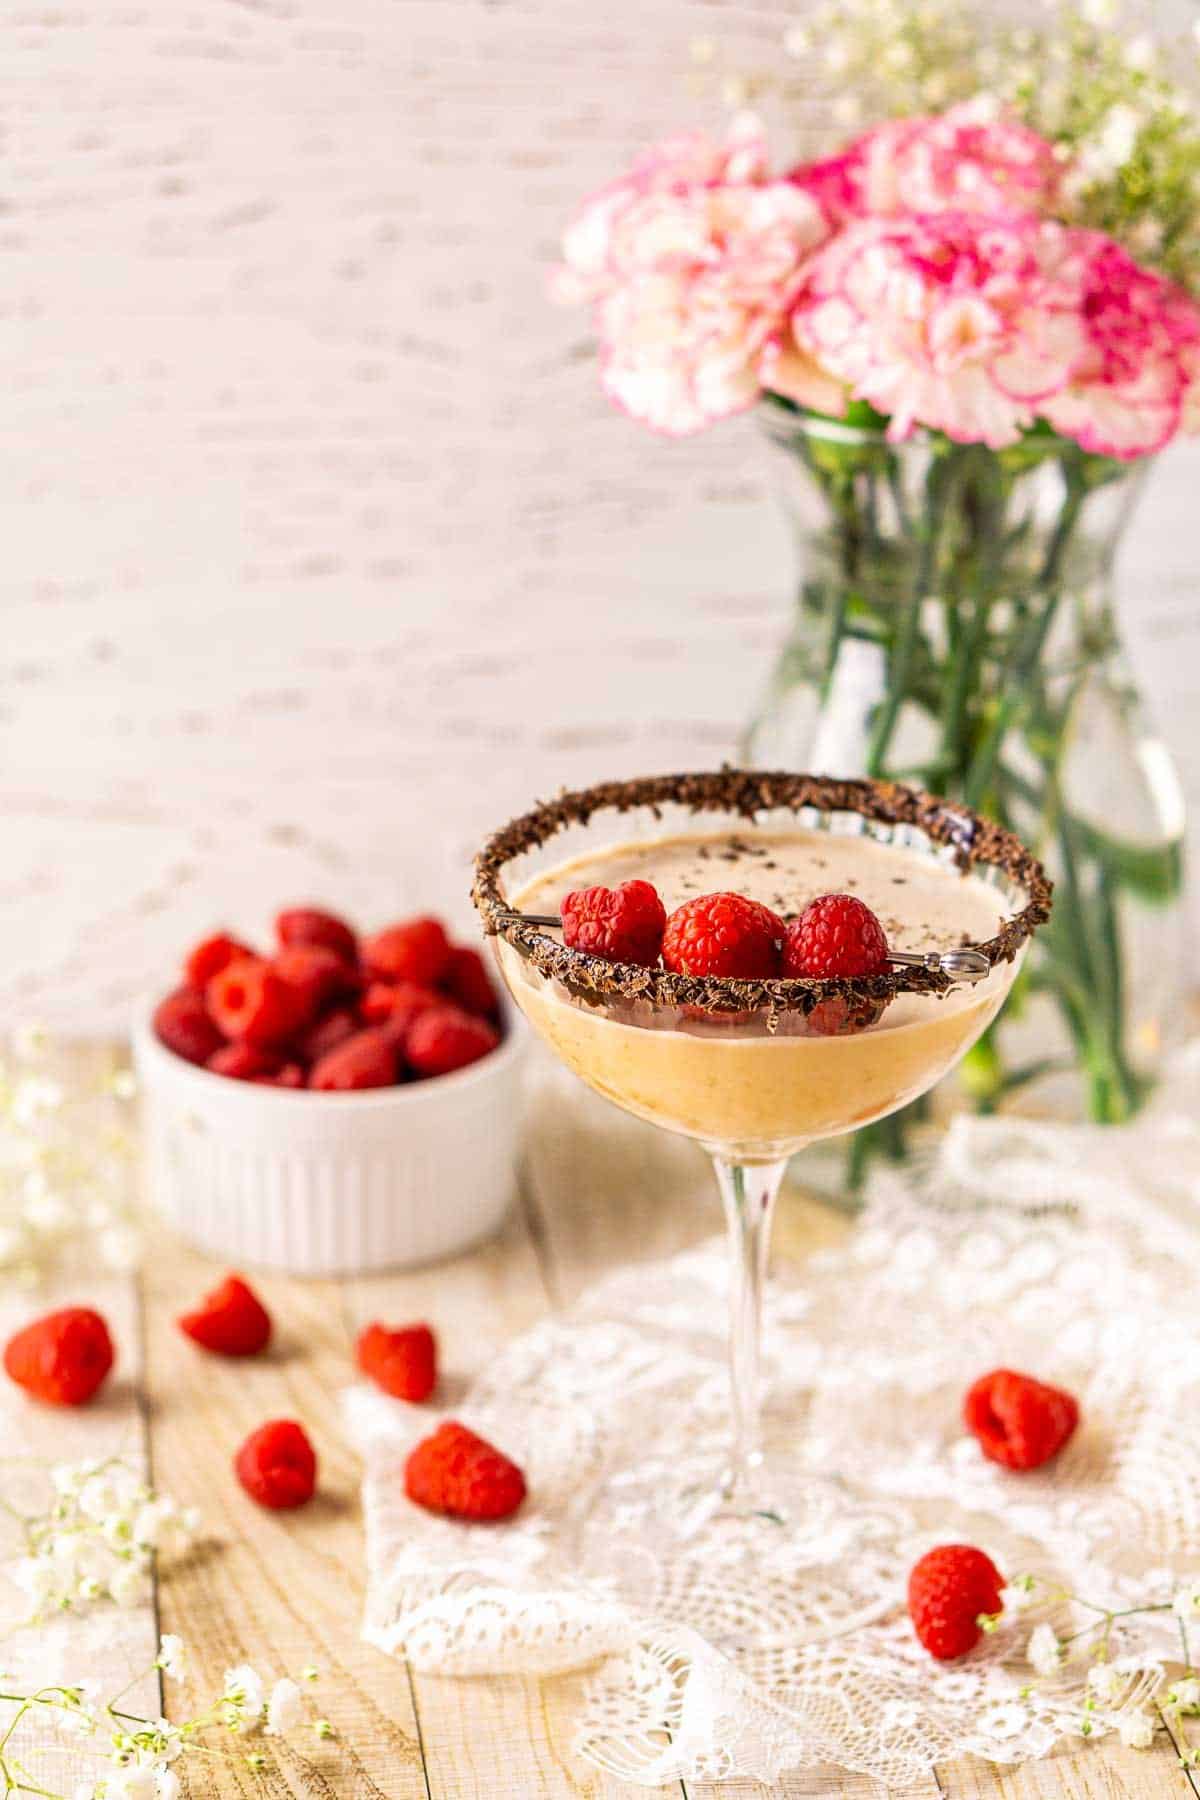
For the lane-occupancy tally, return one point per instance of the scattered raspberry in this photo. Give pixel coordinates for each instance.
(1020, 1423)
(62, 1358)
(456, 1472)
(365, 1060)
(402, 1362)
(327, 1034)
(243, 1062)
(835, 935)
(723, 934)
(418, 950)
(291, 1075)
(840, 1016)
(250, 1000)
(466, 980)
(181, 1022)
(232, 1320)
(277, 1465)
(392, 1009)
(445, 1038)
(308, 925)
(210, 957)
(623, 923)
(318, 975)
(948, 1589)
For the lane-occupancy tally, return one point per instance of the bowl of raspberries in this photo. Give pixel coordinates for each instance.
(333, 1102)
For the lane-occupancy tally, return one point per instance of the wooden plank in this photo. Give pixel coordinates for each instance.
(107, 1645)
(278, 1591)
(1076, 1771)
(496, 1739)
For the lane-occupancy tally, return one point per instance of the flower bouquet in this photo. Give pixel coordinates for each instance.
(965, 332)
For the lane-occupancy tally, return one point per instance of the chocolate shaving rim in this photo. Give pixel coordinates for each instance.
(747, 792)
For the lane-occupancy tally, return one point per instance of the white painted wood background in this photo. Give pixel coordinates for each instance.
(320, 550)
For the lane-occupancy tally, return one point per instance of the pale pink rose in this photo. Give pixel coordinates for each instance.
(946, 320)
(602, 245)
(690, 325)
(972, 158)
(1133, 385)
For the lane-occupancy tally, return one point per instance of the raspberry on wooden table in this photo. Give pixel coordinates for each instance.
(1019, 1422)
(403, 1362)
(231, 1320)
(277, 1465)
(466, 980)
(183, 1024)
(724, 935)
(211, 956)
(61, 1358)
(445, 1038)
(624, 923)
(948, 1590)
(835, 936)
(459, 1473)
(251, 1000)
(309, 925)
(366, 1060)
(415, 950)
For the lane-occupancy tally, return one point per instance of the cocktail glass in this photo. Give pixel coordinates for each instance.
(754, 1070)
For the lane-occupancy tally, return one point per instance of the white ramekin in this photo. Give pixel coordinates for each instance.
(330, 1184)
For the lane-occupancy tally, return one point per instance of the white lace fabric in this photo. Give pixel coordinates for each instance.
(744, 1652)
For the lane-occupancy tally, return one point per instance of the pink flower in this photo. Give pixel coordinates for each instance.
(1133, 385)
(693, 261)
(972, 158)
(948, 320)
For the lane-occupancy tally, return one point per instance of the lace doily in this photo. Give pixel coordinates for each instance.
(746, 1654)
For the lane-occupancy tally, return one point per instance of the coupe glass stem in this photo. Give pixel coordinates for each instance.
(748, 1192)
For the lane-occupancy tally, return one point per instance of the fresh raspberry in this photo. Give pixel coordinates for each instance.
(277, 1465)
(456, 1472)
(243, 1062)
(211, 956)
(835, 935)
(62, 1358)
(393, 1008)
(182, 1023)
(401, 1362)
(723, 934)
(308, 925)
(417, 950)
(318, 975)
(327, 1034)
(365, 1060)
(466, 980)
(291, 1075)
(948, 1589)
(250, 1000)
(231, 1320)
(446, 1038)
(623, 923)
(839, 1016)
(1020, 1423)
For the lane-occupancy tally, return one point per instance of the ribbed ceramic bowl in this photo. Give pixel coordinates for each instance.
(330, 1184)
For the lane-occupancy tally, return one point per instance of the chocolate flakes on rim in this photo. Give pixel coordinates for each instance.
(747, 792)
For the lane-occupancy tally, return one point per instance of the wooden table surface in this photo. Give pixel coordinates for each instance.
(281, 1592)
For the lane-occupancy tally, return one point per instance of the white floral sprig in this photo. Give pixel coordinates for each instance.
(96, 1539)
(1130, 1694)
(66, 1158)
(140, 1754)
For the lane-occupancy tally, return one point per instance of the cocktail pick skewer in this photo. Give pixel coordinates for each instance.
(960, 965)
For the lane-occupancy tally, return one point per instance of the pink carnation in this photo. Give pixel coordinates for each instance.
(972, 158)
(947, 320)
(1133, 385)
(693, 261)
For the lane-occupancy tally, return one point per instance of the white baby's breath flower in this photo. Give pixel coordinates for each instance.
(128, 1584)
(1019, 1595)
(1106, 1681)
(285, 1708)
(168, 1785)
(1141, 52)
(243, 1696)
(38, 1580)
(1136, 1729)
(1185, 1602)
(1099, 12)
(135, 1781)
(1184, 1695)
(155, 1522)
(172, 1656)
(1044, 1650)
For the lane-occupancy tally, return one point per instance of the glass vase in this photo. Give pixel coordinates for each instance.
(955, 628)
